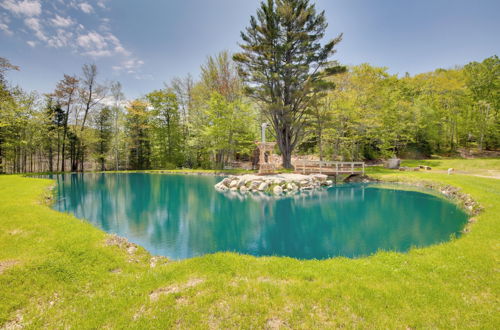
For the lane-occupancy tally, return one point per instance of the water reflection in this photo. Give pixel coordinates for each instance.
(183, 216)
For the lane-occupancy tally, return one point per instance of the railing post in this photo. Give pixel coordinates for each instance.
(352, 168)
(363, 168)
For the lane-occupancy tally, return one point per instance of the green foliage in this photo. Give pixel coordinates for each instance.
(364, 113)
(226, 130)
(104, 128)
(282, 59)
(372, 114)
(138, 132)
(166, 129)
(483, 82)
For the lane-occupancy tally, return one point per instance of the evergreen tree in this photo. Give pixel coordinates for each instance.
(285, 63)
(104, 127)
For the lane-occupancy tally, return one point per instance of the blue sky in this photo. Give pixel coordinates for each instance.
(145, 43)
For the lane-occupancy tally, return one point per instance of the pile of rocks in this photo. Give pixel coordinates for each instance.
(420, 167)
(275, 184)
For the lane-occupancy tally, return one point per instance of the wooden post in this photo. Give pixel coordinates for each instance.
(352, 168)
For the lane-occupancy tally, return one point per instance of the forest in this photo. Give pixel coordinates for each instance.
(210, 122)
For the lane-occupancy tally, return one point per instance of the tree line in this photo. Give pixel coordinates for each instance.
(283, 76)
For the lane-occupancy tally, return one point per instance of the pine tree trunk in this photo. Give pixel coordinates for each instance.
(286, 147)
(51, 158)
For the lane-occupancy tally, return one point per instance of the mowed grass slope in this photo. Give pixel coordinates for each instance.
(57, 271)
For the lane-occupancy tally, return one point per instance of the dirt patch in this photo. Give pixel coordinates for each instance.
(14, 232)
(157, 261)
(175, 288)
(6, 264)
(182, 301)
(16, 323)
(122, 243)
(275, 323)
(140, 313)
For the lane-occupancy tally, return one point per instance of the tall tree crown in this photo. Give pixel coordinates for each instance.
(284, 63)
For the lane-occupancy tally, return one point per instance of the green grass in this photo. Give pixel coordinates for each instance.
(480, 166)
(57, 272)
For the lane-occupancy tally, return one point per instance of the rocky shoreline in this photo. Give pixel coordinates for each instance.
(278, 184)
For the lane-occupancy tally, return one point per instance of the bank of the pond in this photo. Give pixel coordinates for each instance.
(57, 271)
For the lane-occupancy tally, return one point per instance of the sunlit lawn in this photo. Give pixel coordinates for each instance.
(57, 271)
(481, 166)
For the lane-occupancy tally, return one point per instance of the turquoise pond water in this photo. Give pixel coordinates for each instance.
(182, 216)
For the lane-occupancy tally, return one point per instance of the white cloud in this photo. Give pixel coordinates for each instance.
(92, 40)
(34, 24)
(118, 48)
(100, 45)
(5, 28)
(86, 7)
(50, 26)
(28, 8)
(62, 38)
(4, 25)
(129, 66)
(101, 4)
(60, 21)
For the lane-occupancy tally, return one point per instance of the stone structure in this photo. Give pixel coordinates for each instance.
(266, 166)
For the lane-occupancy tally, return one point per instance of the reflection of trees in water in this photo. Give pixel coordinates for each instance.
(182, 216)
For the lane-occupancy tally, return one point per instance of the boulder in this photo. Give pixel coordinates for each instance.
(255, 185)
(221, 186)
(393, 163)
(277, 190)
(226, 182)
(263, 186)
(320, 177)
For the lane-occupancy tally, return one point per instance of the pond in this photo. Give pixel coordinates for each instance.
(182, 216)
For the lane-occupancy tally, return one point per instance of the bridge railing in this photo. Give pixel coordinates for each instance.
(323, 167)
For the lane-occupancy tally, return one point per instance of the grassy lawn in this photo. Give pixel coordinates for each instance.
(57, 272)
(478, 166)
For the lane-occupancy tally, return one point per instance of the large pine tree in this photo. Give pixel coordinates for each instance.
(284, 64)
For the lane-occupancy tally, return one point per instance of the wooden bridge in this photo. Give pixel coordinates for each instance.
(329, 168)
